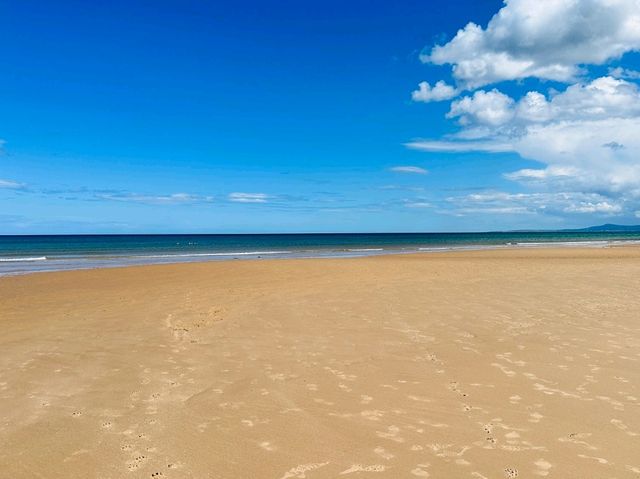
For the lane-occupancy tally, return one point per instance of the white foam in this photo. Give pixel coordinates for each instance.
(30, 258)
(365, 249)
(194, 255)
(564, 243)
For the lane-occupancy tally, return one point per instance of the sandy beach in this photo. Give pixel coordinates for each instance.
(487, 364)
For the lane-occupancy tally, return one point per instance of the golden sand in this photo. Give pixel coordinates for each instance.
(479, 364)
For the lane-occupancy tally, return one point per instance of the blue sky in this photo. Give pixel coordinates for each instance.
(121, 117)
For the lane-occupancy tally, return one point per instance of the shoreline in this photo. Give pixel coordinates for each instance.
(196, 258)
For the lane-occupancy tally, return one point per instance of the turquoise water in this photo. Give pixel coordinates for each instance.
(24, 254)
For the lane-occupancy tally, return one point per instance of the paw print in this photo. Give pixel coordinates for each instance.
(510, 472)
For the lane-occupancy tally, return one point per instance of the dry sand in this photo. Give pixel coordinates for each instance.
(478, 364)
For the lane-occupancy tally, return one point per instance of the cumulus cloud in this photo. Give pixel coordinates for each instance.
(585, 137)
(491, 108)
(440, 91)
(586, 134)
(547, 39)
(248, 197)
(603, 98)
(416, 170)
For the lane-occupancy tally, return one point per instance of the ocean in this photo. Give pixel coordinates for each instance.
(28, 254)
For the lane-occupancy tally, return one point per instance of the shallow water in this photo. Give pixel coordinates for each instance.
(25, 254)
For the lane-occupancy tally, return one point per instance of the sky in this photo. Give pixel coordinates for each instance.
(318, 116)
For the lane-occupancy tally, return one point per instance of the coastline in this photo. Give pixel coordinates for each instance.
(30, 265)
(460, 364)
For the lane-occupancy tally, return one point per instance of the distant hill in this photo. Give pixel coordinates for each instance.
(608, 228)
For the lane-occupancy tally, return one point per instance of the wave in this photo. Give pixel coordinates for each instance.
(354, 250)
(564, 243)
(29, 258)
(191, 255)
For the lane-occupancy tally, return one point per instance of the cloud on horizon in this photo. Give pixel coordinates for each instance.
(414, 170)
(171, 199)
(248, 197)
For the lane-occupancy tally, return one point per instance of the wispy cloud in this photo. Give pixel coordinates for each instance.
(248, 197)
(170, 199)
(418, 204)
(492, 146)
(11, 185)
(499, 202)
(416, 170)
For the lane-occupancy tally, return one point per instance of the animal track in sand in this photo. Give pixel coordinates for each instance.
(453, 386)
(76, 414)
(137, 462)
(106, 425)
(510, 472)
(157, 474)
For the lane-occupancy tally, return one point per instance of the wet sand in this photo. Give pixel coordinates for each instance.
(478, 364)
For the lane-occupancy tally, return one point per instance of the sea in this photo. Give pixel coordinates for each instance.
(30, 254)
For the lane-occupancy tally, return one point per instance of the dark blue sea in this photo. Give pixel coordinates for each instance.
(25, 254)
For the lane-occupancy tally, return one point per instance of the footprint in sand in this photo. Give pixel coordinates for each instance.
(419, 470)
(542, 467)
(361, 468)
(299, 472)
(383, 453)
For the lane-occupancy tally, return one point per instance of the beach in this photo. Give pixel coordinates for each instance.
(480, 364)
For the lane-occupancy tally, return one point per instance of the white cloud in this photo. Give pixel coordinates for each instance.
(418, 204)
(602, 98)
(416, 170)
(491, 108)
(551, 172)
(497, 202)
(248, 197)
(490, 146)
(624, 73)
(440, 91)
(547, 39)
(586, 136)
(171, 199)
(11, 185)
